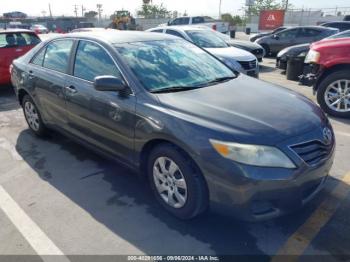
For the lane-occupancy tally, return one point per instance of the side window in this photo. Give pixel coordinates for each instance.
(173, 32)
(92, 60)
(288, 33)
(157, 31)
(7, 40)
(197, 20)
(30, 39)
(176, 21)
(306, 32)
(57, 55)
(185, 21)
(39, 58)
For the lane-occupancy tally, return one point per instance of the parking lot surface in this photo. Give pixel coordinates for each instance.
(58, 198)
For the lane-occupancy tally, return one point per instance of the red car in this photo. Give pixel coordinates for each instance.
(330, 75)
(13, 44)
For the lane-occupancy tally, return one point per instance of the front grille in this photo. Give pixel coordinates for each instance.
(248, 65)
(313, 152)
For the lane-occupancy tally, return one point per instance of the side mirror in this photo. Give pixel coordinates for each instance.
(109, 83)
(276, 37)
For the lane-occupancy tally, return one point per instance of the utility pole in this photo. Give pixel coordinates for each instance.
(50, 10)
(287, 4)
(76, 10)
(99, 11)
(220, 8)
(83, 9)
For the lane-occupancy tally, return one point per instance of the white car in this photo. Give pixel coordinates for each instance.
(207, 21)
(39, 29)
(235, 58)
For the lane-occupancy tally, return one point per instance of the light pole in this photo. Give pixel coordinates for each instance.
(220, 1)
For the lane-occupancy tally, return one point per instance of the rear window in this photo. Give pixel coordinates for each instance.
(8, 40)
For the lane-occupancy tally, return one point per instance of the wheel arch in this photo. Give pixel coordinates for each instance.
(326, 72)
(21, 94)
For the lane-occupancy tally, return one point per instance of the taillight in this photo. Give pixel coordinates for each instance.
(214, 27)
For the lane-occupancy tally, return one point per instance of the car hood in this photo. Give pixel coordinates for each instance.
(246, 110)
(231, 52)
(246, 45)
(295, 49)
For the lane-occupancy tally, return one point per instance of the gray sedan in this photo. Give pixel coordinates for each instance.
(208, 39)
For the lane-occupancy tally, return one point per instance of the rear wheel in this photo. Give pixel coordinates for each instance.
(176, 182)
(32, 116)
(333, 94)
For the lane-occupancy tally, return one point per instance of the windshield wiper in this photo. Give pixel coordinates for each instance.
(221, 79)
(173, 89)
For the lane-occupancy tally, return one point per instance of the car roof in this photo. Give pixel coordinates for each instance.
(337, 22)
(15, 30)
(184, 28)
(311, 27)
(117, 37)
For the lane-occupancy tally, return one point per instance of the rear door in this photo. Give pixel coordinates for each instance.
(284, 39)
(104, 119)
(308, 35)
(47, 73)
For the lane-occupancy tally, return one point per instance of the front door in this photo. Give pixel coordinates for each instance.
(105, 119)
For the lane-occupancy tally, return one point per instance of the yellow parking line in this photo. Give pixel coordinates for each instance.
(300, 240)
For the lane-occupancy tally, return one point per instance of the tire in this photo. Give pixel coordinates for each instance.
(267, 50)
(33, 116)
(196, 196)
(325, 88)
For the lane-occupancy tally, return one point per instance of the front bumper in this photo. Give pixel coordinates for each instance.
(258, 193)
(312, 73)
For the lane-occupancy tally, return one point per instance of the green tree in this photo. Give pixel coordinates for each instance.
(153, 11)
(90, 14)
(232, 20)
(260, 5)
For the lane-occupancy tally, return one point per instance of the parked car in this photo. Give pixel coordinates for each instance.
(255, 37)
(39, 29)
(294, 36)
(89, 29)
(175, 113)
(330, 75)
(341, 25)
(253, 48)
(235, 58)
(301, 50)
(13, 44)
(216, 25)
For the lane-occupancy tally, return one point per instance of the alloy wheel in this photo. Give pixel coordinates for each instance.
(337, 96)
(170, 182)
(32, 115)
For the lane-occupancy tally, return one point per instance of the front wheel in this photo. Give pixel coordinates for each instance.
(267, 50)
(333, 94)
(176, 182)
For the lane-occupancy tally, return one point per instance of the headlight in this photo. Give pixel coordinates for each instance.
(312, 57)
(255, 155)
(302, 54)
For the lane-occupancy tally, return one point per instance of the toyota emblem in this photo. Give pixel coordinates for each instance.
(327, 136)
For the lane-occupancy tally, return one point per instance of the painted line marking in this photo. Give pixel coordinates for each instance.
(39, 241)
(8, 146)
(298, 242)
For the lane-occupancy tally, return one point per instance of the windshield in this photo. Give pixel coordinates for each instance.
(206, 39)
(171, 64)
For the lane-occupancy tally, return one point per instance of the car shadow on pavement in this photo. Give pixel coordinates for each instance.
(267, 69)
(8, 98)
(117, 198)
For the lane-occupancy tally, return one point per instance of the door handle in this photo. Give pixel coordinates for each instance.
(71, 89)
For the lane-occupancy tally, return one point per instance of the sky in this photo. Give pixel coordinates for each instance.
(192, 7)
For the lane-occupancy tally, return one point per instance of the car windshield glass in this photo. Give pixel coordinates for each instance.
(172, 64)
(206, 39)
